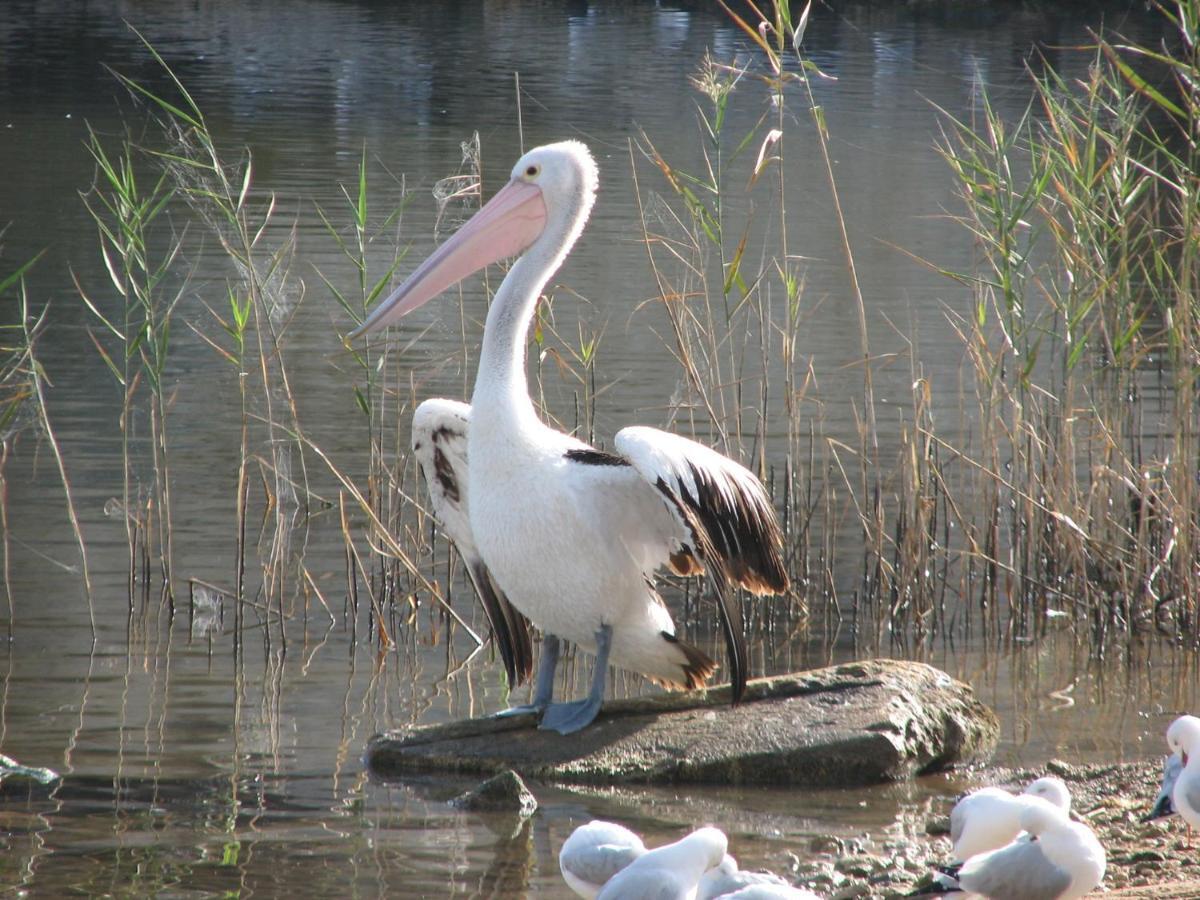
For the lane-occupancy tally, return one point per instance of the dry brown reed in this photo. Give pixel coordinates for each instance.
(1063, 494)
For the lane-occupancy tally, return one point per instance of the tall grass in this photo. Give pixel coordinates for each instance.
(190, 168)
(1083, 213)
(1063, 494)
(23, 403)
(135, 343)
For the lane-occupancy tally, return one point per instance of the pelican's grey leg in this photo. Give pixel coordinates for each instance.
(544, 689)
(567, 718)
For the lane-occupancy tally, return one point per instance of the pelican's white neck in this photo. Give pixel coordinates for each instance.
(501, 387)
(501, 390)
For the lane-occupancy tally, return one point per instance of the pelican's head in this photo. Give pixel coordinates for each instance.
(546, 202)
(567, 177)
(1052, 790)
(1183, 737)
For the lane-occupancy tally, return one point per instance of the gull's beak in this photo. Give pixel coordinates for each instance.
(506, 226)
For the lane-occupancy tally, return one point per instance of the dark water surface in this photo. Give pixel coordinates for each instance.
(192, 774)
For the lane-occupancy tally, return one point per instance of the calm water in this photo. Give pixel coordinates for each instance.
(193, 775)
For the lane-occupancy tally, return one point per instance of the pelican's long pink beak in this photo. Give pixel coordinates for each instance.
(506, 226)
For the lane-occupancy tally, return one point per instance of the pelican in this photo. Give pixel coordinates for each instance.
(1062, 861)
(557, 532)
(594, 853)
(988, 818)
(671, 872)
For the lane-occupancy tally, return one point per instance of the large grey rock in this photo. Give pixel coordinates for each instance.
(859, 723)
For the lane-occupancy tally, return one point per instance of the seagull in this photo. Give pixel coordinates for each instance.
(987, 819)
(554, 531)
(1183, 738)
(727, 882)
(1060, 860)
(1163, 804)
(594, 853)
(671, 872)
(770, 892)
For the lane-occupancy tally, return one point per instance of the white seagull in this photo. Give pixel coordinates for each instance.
(726, 882)
(1164, 804)
(594, 853)
(988, 818)
(671, 872)
(1183, 738)
(769, 892)
(1063, 860)
(557, 531)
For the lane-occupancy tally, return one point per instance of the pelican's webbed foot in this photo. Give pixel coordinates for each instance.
(544, 689)
(567, 718)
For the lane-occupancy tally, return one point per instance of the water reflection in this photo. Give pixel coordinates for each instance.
(159, 791)
(189, 769)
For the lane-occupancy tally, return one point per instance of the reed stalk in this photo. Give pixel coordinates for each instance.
(222, 194)
(135, 344)
(31, 329)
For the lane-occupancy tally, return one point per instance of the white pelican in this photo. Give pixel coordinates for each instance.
(568, 535)
(439, 439)
(726, 881)
(594, 853)
(1183, 737)
(1062, 861)
(671, 872)
(988, 818)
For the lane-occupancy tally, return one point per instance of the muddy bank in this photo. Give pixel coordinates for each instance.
(860, 723)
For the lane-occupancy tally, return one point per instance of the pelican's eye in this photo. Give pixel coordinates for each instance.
(532, 171)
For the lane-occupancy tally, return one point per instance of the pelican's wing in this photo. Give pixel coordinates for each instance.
(439, 439)
(1020, 871)
(727, 524)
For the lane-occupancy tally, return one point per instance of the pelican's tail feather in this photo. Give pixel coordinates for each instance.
(694, 671)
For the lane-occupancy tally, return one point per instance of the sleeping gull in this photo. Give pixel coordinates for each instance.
(671, 872)
(1061, 861)
(594, 853)
(1163, 804)
(769, 892)
(727, 880)
(986, 819)
(1183, 737)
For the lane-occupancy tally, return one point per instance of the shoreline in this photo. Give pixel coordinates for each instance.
(1145, 859)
